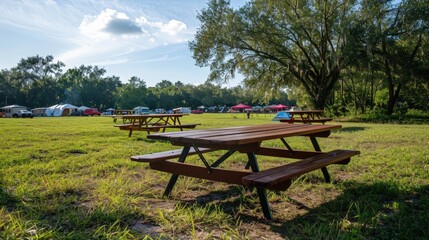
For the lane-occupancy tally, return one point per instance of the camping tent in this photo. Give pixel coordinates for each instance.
(60, 110)
(241, 107)
(278, 107)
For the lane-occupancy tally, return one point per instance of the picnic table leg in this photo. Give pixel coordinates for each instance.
(324, 169)
(262, 192)
(131, 128)
(174, 177)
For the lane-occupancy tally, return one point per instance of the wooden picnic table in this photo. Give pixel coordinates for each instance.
(153, 122)
(246, 140)
(306, 116)
(117, 114)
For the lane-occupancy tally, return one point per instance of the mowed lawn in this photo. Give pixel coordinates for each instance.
(72, 178)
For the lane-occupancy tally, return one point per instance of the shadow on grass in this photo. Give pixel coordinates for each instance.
(351, 129)
(377, 211)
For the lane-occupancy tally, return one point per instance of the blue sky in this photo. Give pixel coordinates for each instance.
(143, 38)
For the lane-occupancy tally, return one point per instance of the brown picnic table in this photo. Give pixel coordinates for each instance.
(246, 140)
(306, 116)
(153, 123)
(118, 114)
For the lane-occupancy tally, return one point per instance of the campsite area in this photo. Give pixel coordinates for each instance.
(72, 178)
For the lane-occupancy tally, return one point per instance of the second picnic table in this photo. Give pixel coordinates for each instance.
(246, 140)
(306, 116)
(153, 123)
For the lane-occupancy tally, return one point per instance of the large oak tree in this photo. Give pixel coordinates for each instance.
(277, 43)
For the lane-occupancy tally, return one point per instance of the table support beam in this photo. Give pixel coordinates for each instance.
(324, 169)
(262, 192)
(174, 177)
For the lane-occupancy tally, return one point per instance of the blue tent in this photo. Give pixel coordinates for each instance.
(281, 115)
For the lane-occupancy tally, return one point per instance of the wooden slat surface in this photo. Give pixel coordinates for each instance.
(243, 135)
(191, 170)
(150, 116)
(160, 156)
(277, 175)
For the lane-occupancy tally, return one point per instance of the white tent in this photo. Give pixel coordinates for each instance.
(60, 110)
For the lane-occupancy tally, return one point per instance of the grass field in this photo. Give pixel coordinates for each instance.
(71, 178)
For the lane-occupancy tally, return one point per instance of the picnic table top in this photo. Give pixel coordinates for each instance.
(155, 115)
(305, 111)
(242, 135)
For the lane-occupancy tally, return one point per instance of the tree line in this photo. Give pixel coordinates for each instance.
(39, 81)
(345, 55)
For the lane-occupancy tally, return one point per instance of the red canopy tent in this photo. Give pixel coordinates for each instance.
(240, 107)
(278, 107)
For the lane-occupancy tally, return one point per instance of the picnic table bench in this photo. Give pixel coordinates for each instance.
(246, 140)
(153, 123)
(306, 116)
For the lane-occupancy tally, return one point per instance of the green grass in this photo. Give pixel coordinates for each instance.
(71, 178)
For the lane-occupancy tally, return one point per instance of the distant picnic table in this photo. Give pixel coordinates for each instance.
(306, 116)
(246, 140)
(153, 122)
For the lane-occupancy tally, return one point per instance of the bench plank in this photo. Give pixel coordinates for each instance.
(191, 170)
(274, 178)
(161, 156)
(192, 125)
(318, 120)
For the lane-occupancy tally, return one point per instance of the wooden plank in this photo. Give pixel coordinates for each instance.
(270, 178)
(151, 115)
(217, 131)
(244, 135)
(178, 126)
(160, 156)
(285, 153)
(191, 170)
(249, 137)
(317, 120)
(147, 129)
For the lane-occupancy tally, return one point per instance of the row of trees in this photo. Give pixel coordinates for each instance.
(356, 54)
(40, 81)
(359, 55)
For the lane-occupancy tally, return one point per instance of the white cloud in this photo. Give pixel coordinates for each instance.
(172, 28)
(112, 33)
(107, 24)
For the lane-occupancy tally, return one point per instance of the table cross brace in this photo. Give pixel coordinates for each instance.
(203, 159)
(287, 146)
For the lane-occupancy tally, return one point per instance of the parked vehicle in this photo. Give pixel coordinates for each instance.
(23, 114)
(197, 111)
(91, 112)
(184, 110)
(11, 110)
(159, 110)
(141, 110)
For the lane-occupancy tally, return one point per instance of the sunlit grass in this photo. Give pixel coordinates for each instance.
(71, 178)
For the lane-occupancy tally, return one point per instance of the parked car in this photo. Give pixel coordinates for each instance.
(197, 111)
(141, 110)
(23, 114)
(91, 112)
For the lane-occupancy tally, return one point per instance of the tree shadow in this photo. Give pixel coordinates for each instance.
(381, 210)
(377, 211)
(351, 129)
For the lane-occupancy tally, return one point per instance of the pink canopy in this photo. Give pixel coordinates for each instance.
(279, 107)
(240, 106)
